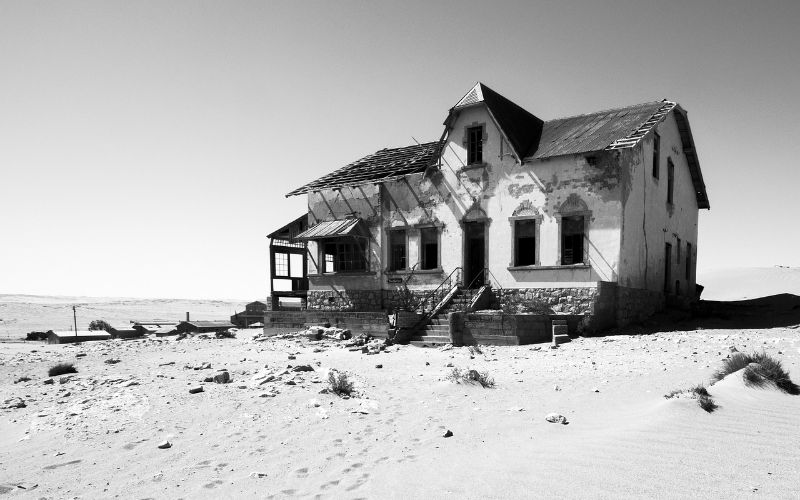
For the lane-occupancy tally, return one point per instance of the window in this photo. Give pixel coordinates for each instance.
(688, 260)
(397, 250)
(429, 247)
(347, 254)
(678, 248)
(656, 153)
(667, 267)
(670, 179)
(474, 145)
(572, 240)
(525, 242)
(281, 264)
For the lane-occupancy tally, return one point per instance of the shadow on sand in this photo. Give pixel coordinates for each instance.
(774, 311)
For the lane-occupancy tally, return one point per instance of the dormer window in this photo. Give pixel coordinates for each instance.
(474, 145)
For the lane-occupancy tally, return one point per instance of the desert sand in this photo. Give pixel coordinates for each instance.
(97, 434)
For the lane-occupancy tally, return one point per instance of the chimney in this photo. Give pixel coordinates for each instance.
(187, 316)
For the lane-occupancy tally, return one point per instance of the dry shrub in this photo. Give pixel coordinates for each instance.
(61, 369)
(339, 383)
(699, 393)
(468, 376)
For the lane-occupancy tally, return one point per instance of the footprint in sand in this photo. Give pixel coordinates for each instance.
(303, 472)
(213, 484)
(359, 482)
(382, 459)
(134, 444)
(56, 466)
(330, 484)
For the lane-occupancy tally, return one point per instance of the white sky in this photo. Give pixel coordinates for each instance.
(146, 147)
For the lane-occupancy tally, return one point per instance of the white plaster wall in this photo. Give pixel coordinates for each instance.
(650, 222)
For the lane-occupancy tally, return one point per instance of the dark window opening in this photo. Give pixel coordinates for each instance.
(656, 153)
(281, 264)
(397, 250)
(429, 241)
(525, 242)
(474, 145)
(344, 255)
(667, 267)
(670, 180)
(678, 249)
(677, 287)
(688, 261)
(572, 240)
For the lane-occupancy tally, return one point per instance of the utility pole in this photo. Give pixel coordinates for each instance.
(75, 320)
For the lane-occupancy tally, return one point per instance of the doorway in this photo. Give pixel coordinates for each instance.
(474, 254)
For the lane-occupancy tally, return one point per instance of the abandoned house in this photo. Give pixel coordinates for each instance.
(592, 218)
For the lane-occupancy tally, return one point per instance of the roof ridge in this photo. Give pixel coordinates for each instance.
(609, 110)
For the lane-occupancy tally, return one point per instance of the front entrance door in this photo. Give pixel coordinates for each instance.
(474, 254)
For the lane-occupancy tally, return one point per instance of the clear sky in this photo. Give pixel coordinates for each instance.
(146, 146)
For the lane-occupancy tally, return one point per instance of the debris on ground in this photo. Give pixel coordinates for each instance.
(556, 418)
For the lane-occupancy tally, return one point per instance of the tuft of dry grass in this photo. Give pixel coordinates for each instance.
(468, 376)
(758, 368)
(61, 369)
(699, 393)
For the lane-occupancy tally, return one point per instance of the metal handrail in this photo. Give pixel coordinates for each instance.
(449, 282)
(486, 273)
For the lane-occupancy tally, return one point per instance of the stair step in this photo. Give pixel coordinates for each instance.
(429, 340)
(437, 328)
(439, 321)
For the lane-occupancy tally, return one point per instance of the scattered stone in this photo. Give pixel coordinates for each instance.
(449, 365)
(14, 403)
(49, 382)
(290, 382)
(222, 378)
(208, 379)
(195, 390)
(378, 366)
(448, 434)
(129, 383)
(595, 390)
(258, 474)
(113, 361)
(22, 379)
(314, 403)
(556, 388)
(292, 356)
(80, 355)
(164, 445)
(473, 375)
(65, 379)
(302, 368)
(427, 364)
(555, 418)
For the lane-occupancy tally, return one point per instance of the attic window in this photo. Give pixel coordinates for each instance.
(670, 180)
(474, 145)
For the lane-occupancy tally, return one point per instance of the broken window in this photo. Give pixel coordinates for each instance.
(344, 255)
(670, 179)
(429, 247)
(474, 145)
(397, 250)
(572, 240)
(525, 242)
(656, 153)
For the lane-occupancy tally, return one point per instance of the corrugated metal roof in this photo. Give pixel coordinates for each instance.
(330, 229)
(379, 166)
(81, 333)
(296, 225)
(211, 324)
(613, 128)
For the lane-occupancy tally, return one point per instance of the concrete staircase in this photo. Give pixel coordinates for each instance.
(436, 331)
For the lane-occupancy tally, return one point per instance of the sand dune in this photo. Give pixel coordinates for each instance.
(749, 283)
(625, 441)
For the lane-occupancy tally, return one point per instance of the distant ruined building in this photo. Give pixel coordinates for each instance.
(590, 219)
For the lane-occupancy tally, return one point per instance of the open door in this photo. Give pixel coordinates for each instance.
(474, 254)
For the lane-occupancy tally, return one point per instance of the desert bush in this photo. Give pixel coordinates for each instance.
(468, 376)
(99, 324)
(61, 369)
(765, 369)
(339, 383)
(699, 393)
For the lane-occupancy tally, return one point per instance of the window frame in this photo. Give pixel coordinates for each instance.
(537, 222)
(344, 246)
(421, 248)
(475, 153)
(670, 181)
(656, 155)
(391, 244)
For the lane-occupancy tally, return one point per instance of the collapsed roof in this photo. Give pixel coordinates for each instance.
(530, 139)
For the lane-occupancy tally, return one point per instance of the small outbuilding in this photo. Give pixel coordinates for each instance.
(157, 327)
(123, 331)
(204, 326)
(72, 337)
(253, 313)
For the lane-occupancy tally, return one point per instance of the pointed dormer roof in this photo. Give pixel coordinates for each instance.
(521, 128)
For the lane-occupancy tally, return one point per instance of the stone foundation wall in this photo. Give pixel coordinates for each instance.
(374, 323)
(540, 300)
(345, 300)
(507, 329)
